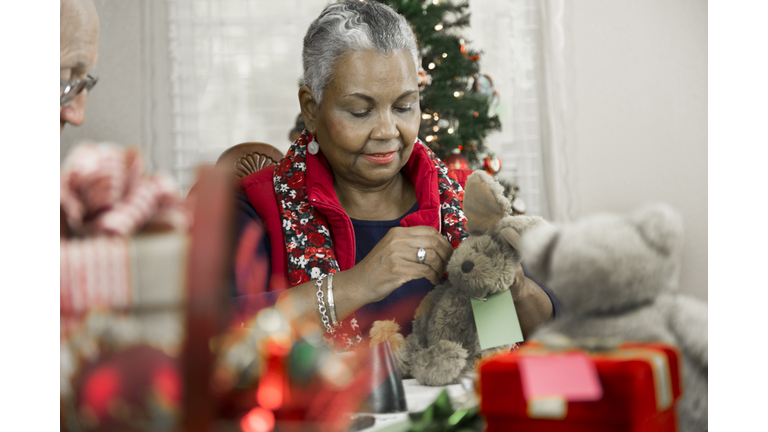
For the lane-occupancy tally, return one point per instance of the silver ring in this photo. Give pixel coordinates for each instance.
(421, 255)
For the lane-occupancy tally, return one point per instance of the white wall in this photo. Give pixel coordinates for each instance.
(130, 104)
(636, 80)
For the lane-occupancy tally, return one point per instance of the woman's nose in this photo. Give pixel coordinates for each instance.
(74, 111)
(386, 127)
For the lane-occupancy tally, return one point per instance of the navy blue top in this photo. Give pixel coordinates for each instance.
(399, 305)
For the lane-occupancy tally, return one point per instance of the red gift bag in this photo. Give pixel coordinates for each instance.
(642, 383)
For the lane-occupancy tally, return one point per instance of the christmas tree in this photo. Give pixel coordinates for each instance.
(457, 102)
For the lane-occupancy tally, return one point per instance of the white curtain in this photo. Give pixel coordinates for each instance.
(235, 68)
(556, 144)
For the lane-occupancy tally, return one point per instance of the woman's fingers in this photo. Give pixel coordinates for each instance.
(414, 270)
(395, 261)
(409, 241)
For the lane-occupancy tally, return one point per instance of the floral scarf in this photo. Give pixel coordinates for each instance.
(308, 240)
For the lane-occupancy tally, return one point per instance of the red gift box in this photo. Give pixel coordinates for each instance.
(641, 382)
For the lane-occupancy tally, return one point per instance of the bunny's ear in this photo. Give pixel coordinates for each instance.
(661, 226)
(484, 203)
(538, 246)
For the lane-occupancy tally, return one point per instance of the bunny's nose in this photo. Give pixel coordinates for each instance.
(467, 266)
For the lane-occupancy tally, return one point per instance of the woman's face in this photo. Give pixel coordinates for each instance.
(369, 117)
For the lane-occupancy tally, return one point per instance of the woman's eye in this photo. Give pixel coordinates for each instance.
(360, 113)
(404, 109)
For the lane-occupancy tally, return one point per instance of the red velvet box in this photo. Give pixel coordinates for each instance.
(641, 382)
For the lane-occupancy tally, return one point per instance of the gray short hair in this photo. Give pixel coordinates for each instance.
(351, 26)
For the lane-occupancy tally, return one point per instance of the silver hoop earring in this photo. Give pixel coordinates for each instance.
(313, 146)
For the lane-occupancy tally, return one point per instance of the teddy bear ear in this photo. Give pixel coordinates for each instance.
(484, 203)
(510, 228)
(661, 226)
(537, 247)
(510, 236)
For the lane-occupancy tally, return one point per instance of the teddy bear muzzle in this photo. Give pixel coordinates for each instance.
(467, 266)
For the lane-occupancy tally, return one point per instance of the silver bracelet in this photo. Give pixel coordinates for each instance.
(323, 316)
(331, 305)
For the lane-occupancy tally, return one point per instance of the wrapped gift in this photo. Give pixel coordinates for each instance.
(142, 275)
(641, 384)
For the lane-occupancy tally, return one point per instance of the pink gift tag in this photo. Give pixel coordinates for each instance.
(572, 376)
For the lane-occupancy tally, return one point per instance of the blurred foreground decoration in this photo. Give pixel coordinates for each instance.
(146, 346)
(104, 190)
(271, 372)
(441, 416)
(126, 311)
(123, 250)
(138, 388)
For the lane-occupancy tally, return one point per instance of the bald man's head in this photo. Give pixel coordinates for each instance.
(79, 37)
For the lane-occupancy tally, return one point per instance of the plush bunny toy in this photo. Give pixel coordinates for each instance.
(444, 342)
(614, 276)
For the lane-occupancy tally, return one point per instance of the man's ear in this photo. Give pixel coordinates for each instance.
(309, 107)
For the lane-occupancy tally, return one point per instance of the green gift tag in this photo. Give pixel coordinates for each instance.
(496, 320)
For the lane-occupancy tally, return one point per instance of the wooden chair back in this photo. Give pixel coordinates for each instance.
(249, 157)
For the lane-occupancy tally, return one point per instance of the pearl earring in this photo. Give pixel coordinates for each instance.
(313, 146)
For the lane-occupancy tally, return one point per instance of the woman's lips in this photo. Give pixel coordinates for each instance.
(380, 158)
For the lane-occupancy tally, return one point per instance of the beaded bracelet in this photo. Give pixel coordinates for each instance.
(331, 305)
(323, 316)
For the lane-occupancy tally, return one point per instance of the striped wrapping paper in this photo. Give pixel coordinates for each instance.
(140, 274)
(94, 273)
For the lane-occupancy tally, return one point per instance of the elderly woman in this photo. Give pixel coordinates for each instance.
(361, 217)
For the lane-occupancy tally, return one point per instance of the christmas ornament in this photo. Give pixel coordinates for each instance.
(492, 164)
(473, 58)
(456, 160)
(484, 85)
(518, 206)
(425, 79)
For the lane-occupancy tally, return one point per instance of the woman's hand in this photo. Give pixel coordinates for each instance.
(390, 264)
(394, 261)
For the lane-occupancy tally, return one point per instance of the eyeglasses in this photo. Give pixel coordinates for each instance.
(70, 90)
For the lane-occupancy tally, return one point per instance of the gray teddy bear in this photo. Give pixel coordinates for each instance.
(444, 343)
(615, 277)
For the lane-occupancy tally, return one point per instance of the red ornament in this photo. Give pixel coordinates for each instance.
(473, 58)
(455, 160)
(425, 79)
(492, 164)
